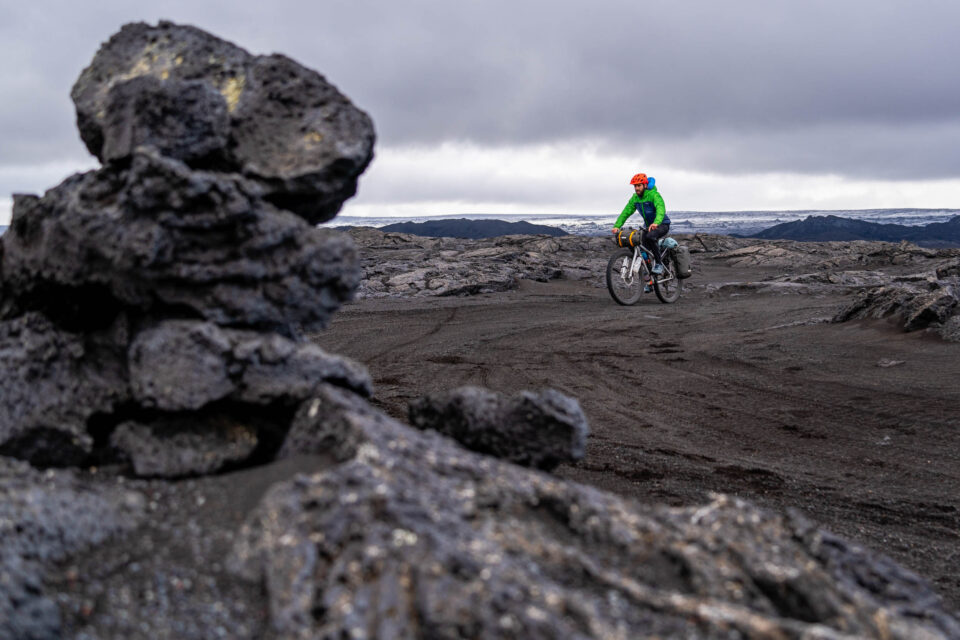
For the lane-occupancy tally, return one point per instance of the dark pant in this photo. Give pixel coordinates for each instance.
(651, 238)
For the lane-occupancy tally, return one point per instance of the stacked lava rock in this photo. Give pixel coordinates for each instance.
(152, 310)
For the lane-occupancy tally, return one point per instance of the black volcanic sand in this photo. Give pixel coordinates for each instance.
(857, 425)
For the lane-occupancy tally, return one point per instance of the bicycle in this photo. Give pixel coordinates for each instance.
(629, 270)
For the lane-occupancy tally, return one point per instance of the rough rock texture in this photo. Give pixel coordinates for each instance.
(210, 102)
(182, 275)
(45, 517)
(159, 238)
(412, 536)
(533, 429)
(183, 120)
(177, 447)
(402, 265)
(934, 304)
(182, 365)
(54, 382)
(858, 254)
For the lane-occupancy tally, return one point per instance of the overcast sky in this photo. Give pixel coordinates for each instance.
(549, 107)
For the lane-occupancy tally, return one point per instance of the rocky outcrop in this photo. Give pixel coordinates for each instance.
(404, 265)
(856, 255)
(181, 276)
(412, 536)
(925, 304)
(532, 429)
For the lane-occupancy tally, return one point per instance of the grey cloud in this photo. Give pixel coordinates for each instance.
(862, 150)
(850, 87)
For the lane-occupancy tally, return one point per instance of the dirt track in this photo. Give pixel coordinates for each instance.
(746, 394)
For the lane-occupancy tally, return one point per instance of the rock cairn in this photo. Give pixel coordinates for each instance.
(151, 318)
(152, 309)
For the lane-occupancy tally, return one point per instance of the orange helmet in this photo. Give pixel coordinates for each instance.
(640, 178)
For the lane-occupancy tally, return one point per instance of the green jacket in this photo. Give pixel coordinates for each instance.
(650, 206)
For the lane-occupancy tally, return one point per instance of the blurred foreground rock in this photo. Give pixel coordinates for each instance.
(45, 518)
(532, 429)
(411, 536)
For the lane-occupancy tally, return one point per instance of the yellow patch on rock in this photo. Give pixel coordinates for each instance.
(232, 90)
(314, 137)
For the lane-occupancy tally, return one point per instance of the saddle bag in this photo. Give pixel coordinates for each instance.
(683, 262)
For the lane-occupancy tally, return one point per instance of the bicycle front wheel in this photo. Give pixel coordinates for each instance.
(667, 285)
(625, 286)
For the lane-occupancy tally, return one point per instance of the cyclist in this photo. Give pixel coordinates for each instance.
(648, 202)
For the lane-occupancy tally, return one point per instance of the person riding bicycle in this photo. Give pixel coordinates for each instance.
(648, 202)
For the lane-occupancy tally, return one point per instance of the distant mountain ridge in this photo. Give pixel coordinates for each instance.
(833, 228)
(472, 229)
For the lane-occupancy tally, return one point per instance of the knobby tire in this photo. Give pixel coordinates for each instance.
(668, 285)
(625, 293)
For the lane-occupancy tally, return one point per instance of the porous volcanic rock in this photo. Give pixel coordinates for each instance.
(183, 120)
(183, 274)
(177, 447)
(206, 101)
(44, 518)
(412, 536)
(532, 429)
(54, 382)
(162, 239)
(182, 365)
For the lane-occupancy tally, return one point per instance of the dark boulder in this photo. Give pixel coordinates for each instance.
(538, 430)
(278, 123)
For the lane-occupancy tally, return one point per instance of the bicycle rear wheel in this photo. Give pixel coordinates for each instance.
(625, 286)
(667, 285)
